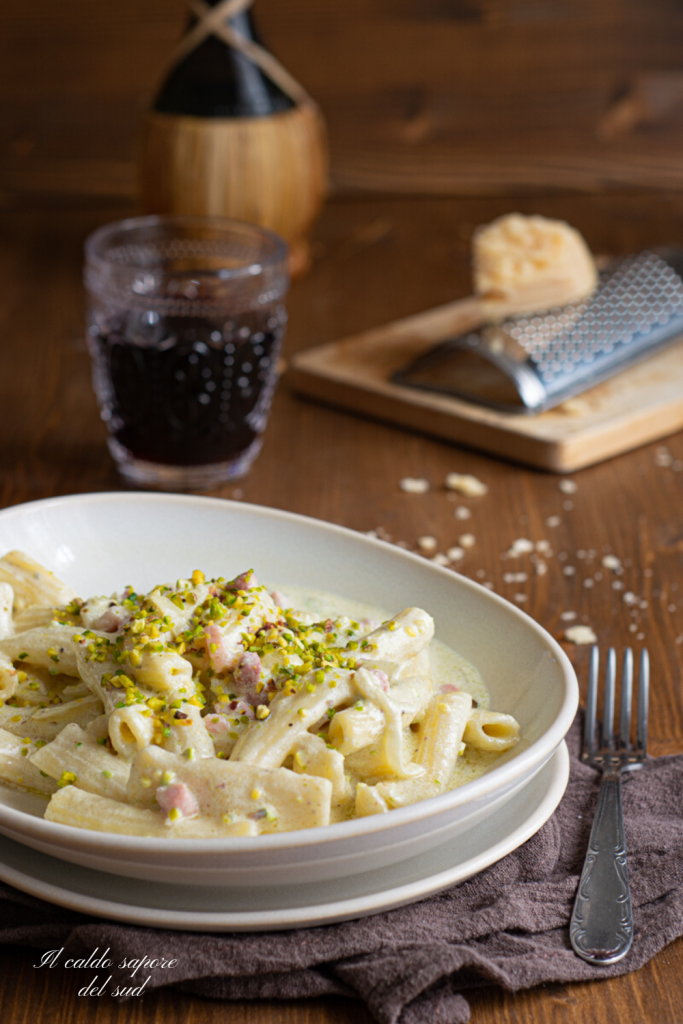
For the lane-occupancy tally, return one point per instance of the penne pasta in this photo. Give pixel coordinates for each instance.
(312, 756)
(32, 617)
(362, 724)
(79, 759)
(51, 647)
(71, 806)
(399, 639)
(391, 756)
(356, 727)
(275, 798)
(46, 723)
(491, 731)
(205, 708)
(16, 769)
(6, 603)
(130, 731)
(291, 714)
(438, 751)
(32, 583)
(9, 677)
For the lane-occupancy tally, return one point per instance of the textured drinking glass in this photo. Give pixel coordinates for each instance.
(185, 325)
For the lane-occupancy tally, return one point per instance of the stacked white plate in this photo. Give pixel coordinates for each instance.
(99, 543)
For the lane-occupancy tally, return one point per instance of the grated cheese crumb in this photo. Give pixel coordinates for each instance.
(612, 562)
(414, 485)
(521, 546)
(580, 635)
(465, 484)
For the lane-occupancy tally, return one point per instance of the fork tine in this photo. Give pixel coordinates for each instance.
(643, 695)
(626, 698)
(608, 699)
(588, 749)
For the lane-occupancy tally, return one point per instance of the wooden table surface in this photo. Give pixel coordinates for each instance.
(375, 259)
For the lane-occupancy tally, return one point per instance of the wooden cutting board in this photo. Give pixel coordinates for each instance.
(635, 407)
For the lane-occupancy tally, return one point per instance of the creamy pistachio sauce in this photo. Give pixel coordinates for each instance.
(447, 666)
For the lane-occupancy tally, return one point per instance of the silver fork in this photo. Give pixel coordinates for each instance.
(601, 927)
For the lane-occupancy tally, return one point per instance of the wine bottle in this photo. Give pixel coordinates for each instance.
(230, 133)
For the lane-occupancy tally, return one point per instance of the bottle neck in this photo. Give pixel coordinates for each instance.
(242, 22)
(216, 80)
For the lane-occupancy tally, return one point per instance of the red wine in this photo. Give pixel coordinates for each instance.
(186, 391)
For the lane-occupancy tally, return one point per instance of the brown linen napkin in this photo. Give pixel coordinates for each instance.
(507, 926)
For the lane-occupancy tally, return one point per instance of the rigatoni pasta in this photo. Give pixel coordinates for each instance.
(211, 707)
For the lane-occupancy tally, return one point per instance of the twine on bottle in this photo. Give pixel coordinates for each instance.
(215, 21)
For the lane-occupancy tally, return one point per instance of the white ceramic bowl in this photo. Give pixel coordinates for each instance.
(98, 543)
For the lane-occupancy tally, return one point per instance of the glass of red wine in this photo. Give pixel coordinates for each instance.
(186, 319)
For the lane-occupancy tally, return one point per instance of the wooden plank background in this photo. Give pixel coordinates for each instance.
(440, 96)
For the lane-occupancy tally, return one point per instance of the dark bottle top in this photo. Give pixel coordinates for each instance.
(215, 80)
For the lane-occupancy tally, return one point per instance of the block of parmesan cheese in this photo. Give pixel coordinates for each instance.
(524, 264)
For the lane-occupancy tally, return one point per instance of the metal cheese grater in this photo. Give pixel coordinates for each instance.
(533, 362)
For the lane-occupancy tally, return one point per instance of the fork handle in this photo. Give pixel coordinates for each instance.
(601, 928)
